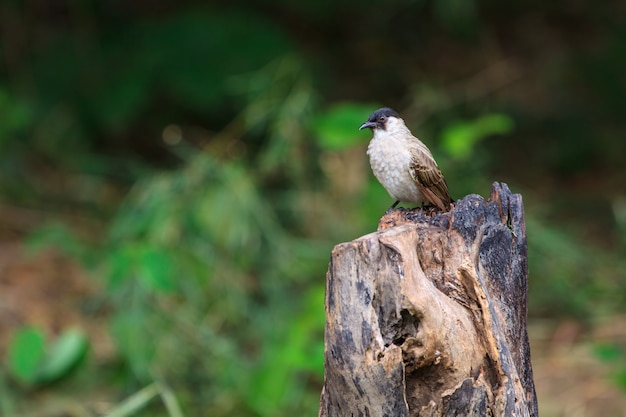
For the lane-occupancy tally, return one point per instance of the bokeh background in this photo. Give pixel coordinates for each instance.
(174, 175)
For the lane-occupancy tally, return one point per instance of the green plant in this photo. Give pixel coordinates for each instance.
(201, 281)
(33, 364)
(459, 138)
(613, 355)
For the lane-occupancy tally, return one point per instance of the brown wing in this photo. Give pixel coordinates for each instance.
(429, 178)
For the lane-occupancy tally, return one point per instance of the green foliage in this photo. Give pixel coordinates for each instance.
(298, 347)
(25, 355)
(185, 251)
(229, 250)
(139, 400)
(61, 237)
(31, 363)
(65, 354)
(613, 355)
(459, 138)
(15, 117)
(279, 98)
(79, 89)
(185, 58)
(568, 277)
(336, 127)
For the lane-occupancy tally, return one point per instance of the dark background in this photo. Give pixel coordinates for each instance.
(174, 175)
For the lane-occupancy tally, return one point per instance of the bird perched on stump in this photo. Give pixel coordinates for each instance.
(403, 164)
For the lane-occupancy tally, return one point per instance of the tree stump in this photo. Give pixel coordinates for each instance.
(427, 316)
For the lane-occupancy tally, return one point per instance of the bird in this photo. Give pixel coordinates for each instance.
(403, 164)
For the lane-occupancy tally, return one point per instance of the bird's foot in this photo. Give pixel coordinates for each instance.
(393, 206)
(425, 210)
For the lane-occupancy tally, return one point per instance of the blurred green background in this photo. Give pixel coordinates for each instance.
(174, 175)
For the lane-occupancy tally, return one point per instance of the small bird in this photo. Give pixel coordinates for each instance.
(403, 164)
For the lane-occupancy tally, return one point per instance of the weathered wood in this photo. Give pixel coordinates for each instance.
(427, 316)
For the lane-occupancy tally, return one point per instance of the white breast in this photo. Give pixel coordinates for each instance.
(390, 159)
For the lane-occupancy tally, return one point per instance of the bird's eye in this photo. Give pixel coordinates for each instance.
(382, 118)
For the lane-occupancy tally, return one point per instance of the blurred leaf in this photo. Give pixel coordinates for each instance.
(25, 354)
(614, 356)
(60, 237)
(132, 332)
(15, 116)
(169, 399)
(608, 352)
(338, 127)
(620, 378)
(156, 268)
(280, 101)
(131, 405)
(296, 346)
(64, 355)
(151, 264)
(580, 281)
(460, 137)
(120, 264)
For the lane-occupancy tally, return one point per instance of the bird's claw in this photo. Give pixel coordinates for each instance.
(393, 206)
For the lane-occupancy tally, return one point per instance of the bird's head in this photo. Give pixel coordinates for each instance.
(382, 119)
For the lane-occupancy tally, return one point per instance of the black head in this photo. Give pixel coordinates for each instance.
(378, 119)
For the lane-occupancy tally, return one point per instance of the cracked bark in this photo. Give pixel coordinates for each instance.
(427, 316)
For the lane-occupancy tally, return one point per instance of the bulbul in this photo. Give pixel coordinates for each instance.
(403, 164)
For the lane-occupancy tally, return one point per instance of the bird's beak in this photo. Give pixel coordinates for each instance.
(371, 125)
